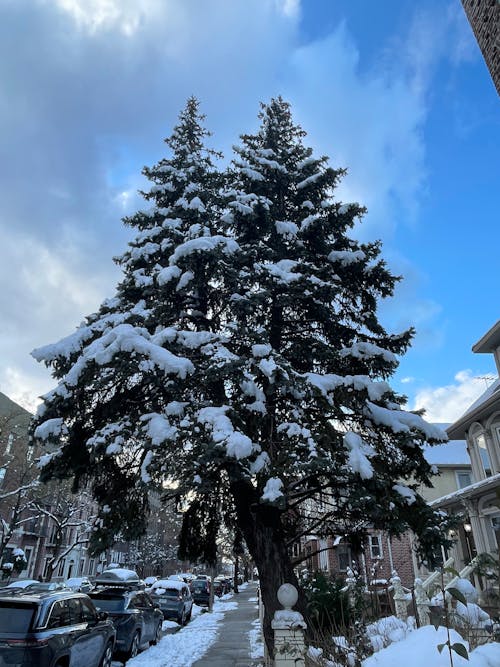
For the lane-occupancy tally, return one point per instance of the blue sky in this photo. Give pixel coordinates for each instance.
(395, 91)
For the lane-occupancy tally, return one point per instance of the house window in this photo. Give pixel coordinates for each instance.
(495, 522)
(81, 567)
(91, 566)
(463, 479)
(344, 557)
(46, 567)
(60, 569)
(483, 454)
(28, 551)
(375, 542)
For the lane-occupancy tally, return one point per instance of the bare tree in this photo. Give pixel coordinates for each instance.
(70, 519)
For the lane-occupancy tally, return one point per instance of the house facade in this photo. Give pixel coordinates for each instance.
(478, 503)
(52, 526)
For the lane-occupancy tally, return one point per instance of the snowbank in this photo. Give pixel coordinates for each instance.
(420, 649)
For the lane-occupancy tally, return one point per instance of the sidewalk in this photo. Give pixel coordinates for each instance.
(232, 648)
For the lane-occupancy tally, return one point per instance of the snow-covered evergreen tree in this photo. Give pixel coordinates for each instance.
(329, 446)
(127, 373)
(241, 366)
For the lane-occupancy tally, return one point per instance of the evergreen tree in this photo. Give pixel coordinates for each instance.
(242, 367)
(328, 443)
(127, 373)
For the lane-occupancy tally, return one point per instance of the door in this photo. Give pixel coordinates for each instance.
(88, 636)
(146, 607)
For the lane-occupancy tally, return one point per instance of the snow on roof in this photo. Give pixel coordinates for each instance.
(482, 486)
(492, 389)
(453, 452)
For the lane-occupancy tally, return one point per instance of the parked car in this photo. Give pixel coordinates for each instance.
(21, 583)
(228, 582)
(223, 584)
(149, 581)
(186, 577)
(45, 587)
(118, 576)
(79, 584)
(136, 618)
(173, 598)
(200, 590)
(53, 629)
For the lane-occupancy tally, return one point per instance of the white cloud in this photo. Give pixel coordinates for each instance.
(446, 404)
(94, 85)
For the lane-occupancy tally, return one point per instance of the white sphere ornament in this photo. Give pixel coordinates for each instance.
(287, 595)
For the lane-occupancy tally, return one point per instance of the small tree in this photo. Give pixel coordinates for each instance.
(18, 471)
(70, 520)
(242, 366)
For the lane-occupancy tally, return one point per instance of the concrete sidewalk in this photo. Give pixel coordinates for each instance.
(232, 648)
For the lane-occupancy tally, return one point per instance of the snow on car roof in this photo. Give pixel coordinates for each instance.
(118, 574)
(169, 583)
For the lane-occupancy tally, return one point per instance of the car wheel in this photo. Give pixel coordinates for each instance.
(107, 656)
(188, 617)
(181, 619)
(157, 636)
(134, 646)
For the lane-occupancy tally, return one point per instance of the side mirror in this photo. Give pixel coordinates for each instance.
(102, 616)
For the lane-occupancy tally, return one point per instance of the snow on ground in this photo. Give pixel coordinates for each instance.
(420, 649)
(185, 647)
(256, 643)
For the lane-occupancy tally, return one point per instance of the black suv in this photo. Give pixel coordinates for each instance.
(136, 618)
(53, 629)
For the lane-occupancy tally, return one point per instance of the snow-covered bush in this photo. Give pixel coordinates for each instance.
(388, 630)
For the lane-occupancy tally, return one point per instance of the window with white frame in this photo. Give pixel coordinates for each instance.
(46, 567)
(60, 569)
(28, 552)
(344, 557)
(464, 478)
(375, 542)
(483, 454)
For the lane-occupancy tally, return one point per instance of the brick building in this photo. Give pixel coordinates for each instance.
(484, 17)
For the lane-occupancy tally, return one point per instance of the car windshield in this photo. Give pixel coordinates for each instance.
(15, 617)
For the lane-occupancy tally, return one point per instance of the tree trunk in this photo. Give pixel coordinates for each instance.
(236, 575)
(263, 531)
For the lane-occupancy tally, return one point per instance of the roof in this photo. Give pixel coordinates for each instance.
(169, 583)
(117, 575)
(490, 341)
(484, 405)
(476, 489)
(32, 597)
(452, 452)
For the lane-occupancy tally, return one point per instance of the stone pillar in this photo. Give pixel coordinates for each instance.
(288, 626)
(400, 599)
(422, 602)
